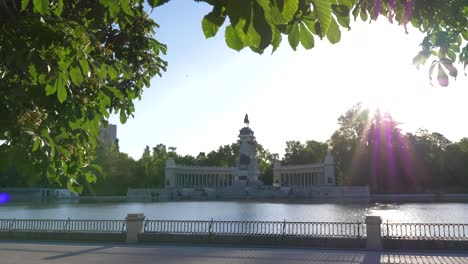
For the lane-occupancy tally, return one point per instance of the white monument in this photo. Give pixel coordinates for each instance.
(246, 171)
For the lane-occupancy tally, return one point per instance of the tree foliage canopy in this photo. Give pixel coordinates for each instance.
(66, 65)
(258, 24)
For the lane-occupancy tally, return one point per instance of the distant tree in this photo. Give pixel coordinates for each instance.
(349, 147)
(456, 162)
(118, 171)
(297, 153)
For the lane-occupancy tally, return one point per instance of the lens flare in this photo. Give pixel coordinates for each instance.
(4, 198)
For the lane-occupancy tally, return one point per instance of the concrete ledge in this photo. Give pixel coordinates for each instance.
(253, 240)
(424, 244)
(68, 236)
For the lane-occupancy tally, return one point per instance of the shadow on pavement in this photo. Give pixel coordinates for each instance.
(72, 254)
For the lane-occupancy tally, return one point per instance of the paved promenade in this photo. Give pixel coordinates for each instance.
(69, 253)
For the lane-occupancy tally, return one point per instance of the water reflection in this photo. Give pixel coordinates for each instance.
(231, 210)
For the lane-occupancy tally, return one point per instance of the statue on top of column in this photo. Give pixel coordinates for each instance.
(246, 120)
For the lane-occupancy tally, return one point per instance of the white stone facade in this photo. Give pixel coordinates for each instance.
(308, 175)
(192, 177)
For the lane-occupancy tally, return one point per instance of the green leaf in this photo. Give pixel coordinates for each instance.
(42, 78)
(71, 185)
(125, 5)
(50, 89)
(212, 22)
(232, 39)
(114, 9)
(96, 168)
(355, 12)
(156, 3)
(294, 36)
(288, 8)
(442, 77)
(76, 75)
(276, 41)
(279, 11)
(363, 15)
(342, 15)
(37, 143)
(465, 34)
(420, 58)
(334, 33)
(75, 124)
(448, 64)
(261, 27)
(123, 117)
(340, 10)
(451, 54)
(61, 89)
(41, 6)
(324, 14)
(311, 25)
(112, 72)
(84, 66)
(115, 92)
(90, 178)
(24, 4)
(32, 71)
(307, 40)
(58, 9)
(102, 74)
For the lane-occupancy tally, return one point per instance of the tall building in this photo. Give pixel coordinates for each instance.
(108, 134)
(246, 171)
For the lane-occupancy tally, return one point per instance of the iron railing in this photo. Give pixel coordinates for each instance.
(63, 225)
(424, 231)
(258, 228)
(413, 231)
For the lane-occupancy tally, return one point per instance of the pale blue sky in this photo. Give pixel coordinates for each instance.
(200, 102)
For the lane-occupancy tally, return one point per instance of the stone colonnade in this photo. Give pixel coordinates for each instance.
(189, 180)
(303, 178)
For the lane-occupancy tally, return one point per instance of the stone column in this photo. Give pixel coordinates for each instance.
(134, 227)
(374, 235)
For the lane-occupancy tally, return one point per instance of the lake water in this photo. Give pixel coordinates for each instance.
(410, 212)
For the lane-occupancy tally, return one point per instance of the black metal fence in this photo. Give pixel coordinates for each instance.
(63, 225)
(424, 231)
(258, 228)
(408, 231)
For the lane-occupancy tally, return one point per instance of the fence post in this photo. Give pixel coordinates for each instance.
(284, 227)
(358, 230)
(134, 227)
(374, 235)
(211, 226)
(11, 225)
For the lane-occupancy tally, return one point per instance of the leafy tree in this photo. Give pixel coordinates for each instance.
(257, 24)
(65, 66)
(349, 147)
(455, 159)
(297, 153)
(118, 171)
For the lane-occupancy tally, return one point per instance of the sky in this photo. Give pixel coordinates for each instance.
(200, 102)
